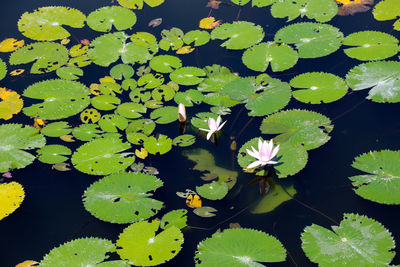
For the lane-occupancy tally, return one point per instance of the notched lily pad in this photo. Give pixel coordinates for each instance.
(104, 18)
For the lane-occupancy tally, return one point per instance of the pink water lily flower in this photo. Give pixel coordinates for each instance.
(264, 155)
(214, 126)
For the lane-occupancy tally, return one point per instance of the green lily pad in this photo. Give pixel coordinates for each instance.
(175, 218)
(56, 129)
(138, 94)
(112, 122)
(357, 241)
(164, 115)
(104, 18)
(187, 75)
(144, 126)
(165, 63)
(213, 191)
(383, 181)
(141, 246)
(388, 10)
(161, 145)
(45, 23)
(14, 140)
(163, 93)
(137, 138)
(382, 76)
(69, 73)
(102, 156)
(87, 132)
(197, 37)
(129, 84)
(189, 97)
(138, 4)
(371, 45)
(123, 71)
(239, 247)
(53, 154)
(217, 77)
(105, 102)
(262, 3)
(318, 87)
(61, 99)
(312, 40)
(205, 212)
(131, 110)
(281, 57)
(46, 56)
(171, 39)
(110, 88)
(200, 120)
(240, 34)
(150, 80)
(123, 197)
(303, 127)
(3, 69)
(184, 140)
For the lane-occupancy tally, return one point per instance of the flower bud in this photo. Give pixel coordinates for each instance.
(181, 113)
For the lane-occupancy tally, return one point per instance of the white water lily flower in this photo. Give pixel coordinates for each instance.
(264, 155)
(214, 126)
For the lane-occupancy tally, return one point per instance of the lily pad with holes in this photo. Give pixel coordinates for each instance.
(171, 39)
(318, 87)
(163, 93)
(175, 218)
(357, 241)
(112, 122)
(197, 37)
(239, 247)
(164, 115)
(150, 80)
(213, 191)
(184, 140)
(56, 129)
(53, 154)
(69, 73)
(280, 56)
(165, 63)
(303, 127)
(239, 34)
(141, 245)
(104, 18)
(105, 102)
(383, 181)
(122, 71)
(103, 156)
(383, 77)
(87, 132)
(123, 197)
(312, 40)
(161, 145)
(371, 45)
(45, 23)
(187, 75)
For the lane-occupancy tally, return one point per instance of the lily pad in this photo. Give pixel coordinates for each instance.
(61, 99)
(383, 180)
(12, 194)
(189, 97)
(312, 40)
(87, 132)
(164, 115)
(382, 76)
(104, 18)
(184, 140)
(112, 122)
(53, 154)
(217, 77)
(145, 126)
(205, 212)
(102, 156)
(45, 23)
(239, 247)
(138, 4)
(150, 80)
(303, 127)
(240, 34)
(197, 37)
(171, 38)
(3, 69)
(357, 241)
(69, 73)
(187, 75)
(318, 87)
(121, 71)
(175, 218)
(165, 63)
(371, 45)
(56, 129)
(388, 10)
(131, 110)
(163, 93)
(213, 191)
(123, 197)
(161, 145)
(105, 102)
(10, 103)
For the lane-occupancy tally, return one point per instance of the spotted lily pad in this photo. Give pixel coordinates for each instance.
(53, 154)
(56, 129)
(104, 18)
(187, 75)
(123, 197)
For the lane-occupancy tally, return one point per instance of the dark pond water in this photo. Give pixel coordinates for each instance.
(52, 212)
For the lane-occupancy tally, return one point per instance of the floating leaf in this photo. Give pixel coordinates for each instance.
(187, 75)
(17, 72)
(104, 18)
(10, 104)
(61, 99)
(217, 77)
(142, 153)
(90, 115)
(382, 76)
(175, 218)
(239, 247)
(3, 69)
(318, 87)
(102, 156)
(281, 57)
(388, 10)
(69, 73)
(150, 80)
(240, 2)
(122, 71)
(28, 263)
(184, 140)
(87, 132)
(357, 241)
(171, 39)
(56, 129)
(45, 23)
(10, 45)
(209, 23)
(277, 195)
(185, 50)
(11, 196)
(213, 191)
(214, 4)
(382, 182)
(45, 55)
(189, 97)
(205, 212)
(307, 128)
(67, 138)
(131, 110)
(161, 145)
(62, 167)
(351, 7)
(78, 50)
(240, 34)
(123, 197)
(112, 122)
(165, 63)
(53, 154)
(312, 40)
(163, 93)
(196, 37)
(145, 126)
(371, 45)
(141, 246)
(105, 102)
(138, 4)
(164, 115)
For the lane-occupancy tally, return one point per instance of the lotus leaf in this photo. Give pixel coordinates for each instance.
(141, 246)
(14, 140)
(171, 39)
(87, 132)
(187, 75)
(104, 18)
(281, 57)
(388, 10)
(138, 4)
(175, 218)
(312, 40)
(89, 251)
(102, 156)
(150, 80)
(357, 241)
(165, 63)
(164, 115)
(217, 77)
(122, 71)
(240, 34)
(184, 140)
(382, 182)
(61, 99)
(53, 154)
(277, 195)
(161, 145)
(69, 73)
(10, 104)
(45, 55)
(213, 191)
(144, 126)
(56, 129)
(131, 110)
(105, 102)
(164, 92)
(113, 122)
(239, 247)
(197, 37)
(318, 87)
(3, 69)
(123, 197)
(307, 128)
(189, 97)
(371, 45)
(11, 196)
(382, 76)
(45, 23)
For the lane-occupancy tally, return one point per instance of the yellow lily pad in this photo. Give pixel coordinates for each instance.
(11, 196)
(10, 104)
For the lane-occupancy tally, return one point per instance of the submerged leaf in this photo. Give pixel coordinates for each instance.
(11, 196)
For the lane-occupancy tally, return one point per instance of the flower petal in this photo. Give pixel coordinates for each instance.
(206, 130)
(252, 153)
(212, 124)
(209, 134)
(254, 164)
(272, 162)
(275, 151)
(222, 125)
